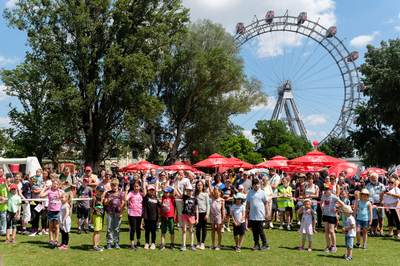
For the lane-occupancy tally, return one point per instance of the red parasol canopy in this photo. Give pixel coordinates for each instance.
(379, 171)
(145, 166)
(127, 167)
(120, 170)
(303, 169)
(214, 161)
(237, 163)
(278, 162)
(179, 166)
(198, 172)
(350, 168)
(315, 158)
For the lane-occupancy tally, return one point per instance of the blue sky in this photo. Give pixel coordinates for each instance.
(319, 96)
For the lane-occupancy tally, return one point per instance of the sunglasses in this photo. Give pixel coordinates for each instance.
(332, 178)
(390, 182)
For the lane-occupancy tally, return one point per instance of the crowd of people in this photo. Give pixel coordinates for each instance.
(244, 202)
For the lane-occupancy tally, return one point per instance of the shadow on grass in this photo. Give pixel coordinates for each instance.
(296, 248)
(42, 244)
(328, 255)
(82, 247)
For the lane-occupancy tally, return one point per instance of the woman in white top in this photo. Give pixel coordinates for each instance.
(391, 198)
(311, 191)
(268, 190)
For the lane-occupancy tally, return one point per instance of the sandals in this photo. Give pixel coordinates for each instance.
(218, 248)
(349, 258)
(212, 246)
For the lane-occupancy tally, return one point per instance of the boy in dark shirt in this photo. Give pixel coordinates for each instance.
(26, 193)
(97, 212)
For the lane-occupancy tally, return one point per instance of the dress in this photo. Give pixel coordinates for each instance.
(306, 223)
(61, 215)
(216, 211)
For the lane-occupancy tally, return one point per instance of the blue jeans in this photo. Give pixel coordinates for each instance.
(113, 226)
(314, 208)
(349, 240)
(3, 217)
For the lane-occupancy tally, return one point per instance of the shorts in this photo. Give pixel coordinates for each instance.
(97, 222)
(167, 222)
(274, 204)
(288, 209)
(329, 219)
(239, 230)
(349, 240)
(191, 219)
(228, 209)
(314, 208)
(26, 212)
(376, 214)
(362, 224)
(82, 213)
(11, 219)
(52, 215)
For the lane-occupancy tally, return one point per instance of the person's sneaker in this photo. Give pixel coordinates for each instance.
(138, 245)
(87, 231)
(222, 230)
(100, 247)
(301, 248)
(357, 245)
(192, 248)
(327, 249)
(247, 229)
(288, 228)
(108, 246)
(201, 246)
(62, 247)
(333, 249)
(13, 241)
(26, 233)
(79, 231)
(172, 246)
(281, 227)
(183, 248)
(97, 249)
(264, 247)
(91, 226)
(132, 247)
(256, 247)
(7, 241)
(51, 243)
(146, 246)
(228, 229)
(161, 247)
(116, 246)
(35, 230)
(55, 243)
(153, 246)
(158, 229)
(238, 249)
(180, 229)
(198, 245)
(46, 232)
(309, 248)
(271, 225)
(365, 247)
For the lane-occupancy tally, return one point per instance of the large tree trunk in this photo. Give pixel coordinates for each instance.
(154, 146)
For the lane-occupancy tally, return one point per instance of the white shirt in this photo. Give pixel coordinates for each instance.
(350, 221)
(390, 199)
(181, 184)
(238, 212)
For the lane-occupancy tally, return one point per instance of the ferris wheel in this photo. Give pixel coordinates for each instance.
(307, 69)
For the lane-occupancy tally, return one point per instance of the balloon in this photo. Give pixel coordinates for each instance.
(195, 153)
(315, 143)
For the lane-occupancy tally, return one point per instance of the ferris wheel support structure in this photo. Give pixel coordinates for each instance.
(334, 46)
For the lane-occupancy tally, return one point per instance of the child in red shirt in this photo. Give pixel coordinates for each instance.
(167, 216)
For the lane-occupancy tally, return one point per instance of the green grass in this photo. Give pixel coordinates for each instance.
(284, 244)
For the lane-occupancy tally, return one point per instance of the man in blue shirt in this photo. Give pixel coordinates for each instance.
(257, 213)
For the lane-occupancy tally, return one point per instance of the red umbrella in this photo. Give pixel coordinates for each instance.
(303, 169)
(127, 167)
(350, 168)
(278, 162)
(145, 166)
(237, 163)
(214, 161)
(374, 170)
(120, 170)
(315, 158)
(198, 172)
(216, 155)
(131, 171)
(178, 166)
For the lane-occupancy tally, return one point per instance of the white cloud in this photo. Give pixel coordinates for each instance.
(5, 121)
(3, 94)
(397, 28)
(270, 104)
(398, 15)
(389, 21)
(249, 136)
(362, 40)
(316, 119)
(320, 135)
(230, 12)
(305, 54)
(11, 3)
(5, 61)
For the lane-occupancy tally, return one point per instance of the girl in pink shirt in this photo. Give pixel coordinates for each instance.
(135, 207)
(55, 203)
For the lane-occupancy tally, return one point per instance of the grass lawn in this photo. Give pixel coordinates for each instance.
(284, 245)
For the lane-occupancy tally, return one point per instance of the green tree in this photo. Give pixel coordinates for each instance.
(337, 147)
(240, 147)
(274, 138)
(99, 56)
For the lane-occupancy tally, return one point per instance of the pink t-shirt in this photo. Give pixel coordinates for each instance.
(135, 206)
(54, 200)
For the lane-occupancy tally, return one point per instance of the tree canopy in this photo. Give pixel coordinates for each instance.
(337, 147)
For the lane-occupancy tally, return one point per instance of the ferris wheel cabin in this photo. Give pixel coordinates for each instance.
(240, 28)
(302, 17)
(355, 121)
(331, 32)
(353, 56)
(269, 17)
(361, 87)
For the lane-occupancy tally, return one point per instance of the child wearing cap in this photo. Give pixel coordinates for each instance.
(13, 212)
(97, 212)
(135, 208)
(84, 192)
(229, 193)
(190, 213)
(363, 216)
(349, 230)
(306, 227)
(151, 207)
(167, 216)
(328, 208)
(238, 214)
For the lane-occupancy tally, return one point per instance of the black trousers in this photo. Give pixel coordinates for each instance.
(44, 219)
(258, 231)
(150, 226)
(65, 237)
(35, 217)
(319, 215)
(134, 222)
(392, 215)
(201, 228)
